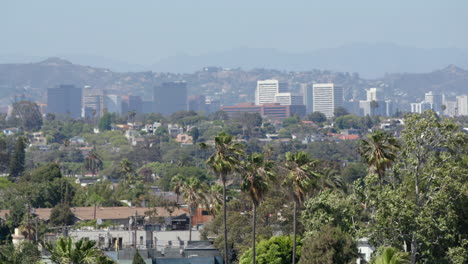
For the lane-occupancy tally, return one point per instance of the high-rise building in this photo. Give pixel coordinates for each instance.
(197, 103)
(93, 106)
(132, 103)
(435, 100)
(462, 105)
(170, 97)
(308, 96)
(374, 94)
(288, 99)
(327, 97)
(64, 100)
(267, 89)
(212, 105)
(113, 103)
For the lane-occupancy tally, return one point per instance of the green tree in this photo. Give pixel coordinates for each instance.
(27, 115)
(379, 151)
(224, 161)
(276, 250)
(330, 207)
(93, 162)
(300, 180)
(193, 191)
(423, 210)
(195, 134)
(330, 245)
(138, 259)
(126, 169)
(256, 175)
(176, 185)
(105, 122)
(24, 253)
(390, 255)
(18, 159)
(340, 111)
(316, 117)
(61, 215)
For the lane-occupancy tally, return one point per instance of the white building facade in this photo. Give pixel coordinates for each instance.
(288, 99)
(267, 89)
(326, 98)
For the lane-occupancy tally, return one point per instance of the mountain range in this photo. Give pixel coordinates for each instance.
(369, 60)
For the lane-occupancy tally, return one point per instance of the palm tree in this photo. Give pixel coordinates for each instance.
(126, 168)
(257, 172)
(93, 162)
(224, 161)
(214, 199)
(390, 255)
(176, 184)
(333, 180)
(194, 194)
(379, 152)
(82, 252)
(300, 179)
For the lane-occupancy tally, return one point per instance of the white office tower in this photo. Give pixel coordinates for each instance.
(375, 94)
(267, 89)
(462, 105)
(435, 100)
(288, 99)
(327, 97)
(308, 96)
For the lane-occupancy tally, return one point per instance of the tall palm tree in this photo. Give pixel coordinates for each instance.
(176, 185)
(379, 151)
(224, 161)
(93, 162)
(194, 194)
(214, 199)
(257, 173)
(126, 168)
(300, 179)
(390, 255)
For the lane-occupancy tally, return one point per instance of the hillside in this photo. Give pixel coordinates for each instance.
(230, 85)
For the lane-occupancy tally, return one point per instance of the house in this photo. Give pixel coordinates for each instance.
(174, 129)
(37, 139)
(184, 139)
(77, 140)
(11, 131)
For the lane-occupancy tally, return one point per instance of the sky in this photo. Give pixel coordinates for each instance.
(145, 31)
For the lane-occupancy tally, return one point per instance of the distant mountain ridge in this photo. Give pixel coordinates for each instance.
(369, 60)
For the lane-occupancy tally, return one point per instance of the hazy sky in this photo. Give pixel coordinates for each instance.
(143, 31)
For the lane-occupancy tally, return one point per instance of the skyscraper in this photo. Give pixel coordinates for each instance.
(462, 105)
(327, 97)
(170, 97)
(64, 100)
(308, 96)
(267, 89)
(113, 103)
(435, 100)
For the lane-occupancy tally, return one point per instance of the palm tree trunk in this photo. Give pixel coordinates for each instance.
(190, 225)
(254, 224)
(226, 258)
(294, 234)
